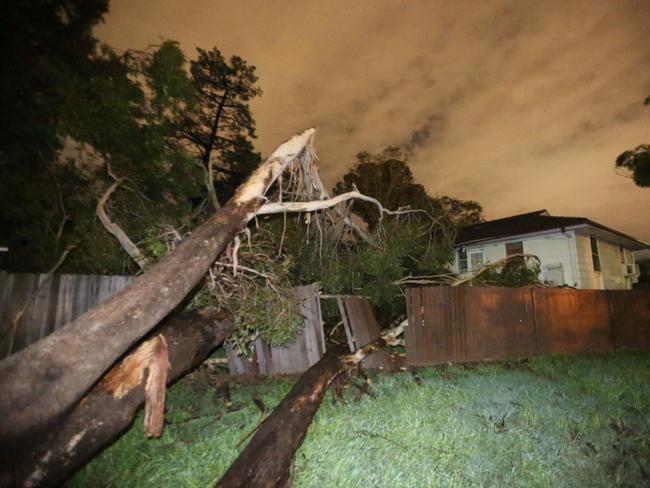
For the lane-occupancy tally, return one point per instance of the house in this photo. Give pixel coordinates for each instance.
(573, 251)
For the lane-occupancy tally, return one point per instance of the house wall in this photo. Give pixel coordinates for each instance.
(572, 251)
(587, 277)
(551, 248)
(611, 276)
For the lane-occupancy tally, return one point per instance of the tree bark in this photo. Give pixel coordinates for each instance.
(109, 408)
(267, 460)
(62, 367)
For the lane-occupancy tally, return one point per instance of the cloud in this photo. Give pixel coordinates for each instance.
(516, 104)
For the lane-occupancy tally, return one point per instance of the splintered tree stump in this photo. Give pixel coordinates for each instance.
(110, 407)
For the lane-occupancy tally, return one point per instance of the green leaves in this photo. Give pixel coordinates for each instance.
(636, 163)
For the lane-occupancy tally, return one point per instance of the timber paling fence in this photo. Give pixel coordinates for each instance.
(456, 324)
(446, 324)
(35, 305)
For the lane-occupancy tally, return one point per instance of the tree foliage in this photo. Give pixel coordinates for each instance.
(117, 125)
(513, 273)
(387, 178)
(78, 115)
(635, 163)
(321, 249)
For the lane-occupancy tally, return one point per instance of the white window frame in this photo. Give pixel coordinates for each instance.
(470, 260)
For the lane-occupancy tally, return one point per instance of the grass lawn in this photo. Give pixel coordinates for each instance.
(560, 421)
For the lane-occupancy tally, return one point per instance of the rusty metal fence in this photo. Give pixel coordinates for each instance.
(456, 324)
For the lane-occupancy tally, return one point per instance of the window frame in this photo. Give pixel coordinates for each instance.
(521, 245)
(471, 264)
(595, 255)
(462, 258)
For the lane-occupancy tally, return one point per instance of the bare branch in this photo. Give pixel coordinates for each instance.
(315, 205)
(126, 243)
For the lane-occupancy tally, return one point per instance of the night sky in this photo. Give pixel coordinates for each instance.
(519, 105)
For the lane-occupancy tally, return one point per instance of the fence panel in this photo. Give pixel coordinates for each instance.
(630, 312)
(498, 323)
(365, 328)
(426, 336)
(571, 321)
(471, 323)
(47, 303)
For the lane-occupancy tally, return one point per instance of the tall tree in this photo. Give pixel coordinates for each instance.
(635, 163)
(114, 123)
(47, 51)
(218, 126)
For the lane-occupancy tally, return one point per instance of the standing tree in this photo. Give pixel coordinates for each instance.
(218, 125)
(76, 114)
(387, 177)
(635, 163)
(48, 53)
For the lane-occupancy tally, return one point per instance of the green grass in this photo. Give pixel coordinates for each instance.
(561, 421)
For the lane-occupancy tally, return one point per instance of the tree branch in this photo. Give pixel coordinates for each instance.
(315, 205)
(126, 243)
(487, 267)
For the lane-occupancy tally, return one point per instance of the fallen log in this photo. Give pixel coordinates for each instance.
(110, 406)
(267, 460)
(62, 367)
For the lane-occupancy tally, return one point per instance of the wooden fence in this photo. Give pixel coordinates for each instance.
(293, 358)
(449, 324)
(34, 305)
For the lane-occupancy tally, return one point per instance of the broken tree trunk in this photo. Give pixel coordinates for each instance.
(267, 460)
(64, 365)
(109, 408)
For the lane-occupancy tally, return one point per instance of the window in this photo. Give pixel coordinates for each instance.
(476, 260)
(513, 248)
(553, 274)
(595, 257)
(462, 259)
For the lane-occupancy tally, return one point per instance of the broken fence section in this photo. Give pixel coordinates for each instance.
(455, 324)
(361, 327)
(293, 358)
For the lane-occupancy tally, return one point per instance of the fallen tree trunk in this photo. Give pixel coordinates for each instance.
(109, 408)
(267, 460)
(63, 366)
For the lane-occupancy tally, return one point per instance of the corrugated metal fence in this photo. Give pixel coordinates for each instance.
(448, 324)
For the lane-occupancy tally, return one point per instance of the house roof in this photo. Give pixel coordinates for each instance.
(529, 223)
